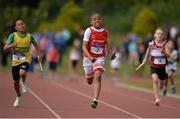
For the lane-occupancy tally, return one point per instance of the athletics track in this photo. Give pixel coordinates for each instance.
(71, 99)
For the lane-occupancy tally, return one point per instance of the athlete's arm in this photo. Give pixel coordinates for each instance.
(85, 44)
(9, 43)
(85, 50)
(164, 51)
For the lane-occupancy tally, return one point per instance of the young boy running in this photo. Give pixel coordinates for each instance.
(20, 42)
(171, 66)
(94, 49)
(158, 60)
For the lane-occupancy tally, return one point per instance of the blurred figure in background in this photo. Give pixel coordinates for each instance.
(133, 50)
(79, 35)
(171, 66)
(52, 58)
(125, 51)
(10, 28)
(33, 63)
(141, 51)
(74, 58)
(42, 44)
(4, 54)
(115, 65)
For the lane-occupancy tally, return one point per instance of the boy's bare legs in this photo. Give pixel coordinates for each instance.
(17, 88)
(156, 85)
(170, 77)
(18, 92)
(97, 87)
(23, 75)
(97, 84)
(163, 86)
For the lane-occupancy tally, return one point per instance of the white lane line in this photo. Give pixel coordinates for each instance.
(103, 102)
(45, 104)
(142, 99)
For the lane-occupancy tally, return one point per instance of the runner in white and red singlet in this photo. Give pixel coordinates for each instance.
(94, 49)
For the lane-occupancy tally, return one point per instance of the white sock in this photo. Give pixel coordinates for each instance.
(94, 99)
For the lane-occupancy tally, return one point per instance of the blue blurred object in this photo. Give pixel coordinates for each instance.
(133, 37)
(173, 90)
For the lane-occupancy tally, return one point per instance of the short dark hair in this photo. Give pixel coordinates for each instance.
(95, 14)
(17, 20)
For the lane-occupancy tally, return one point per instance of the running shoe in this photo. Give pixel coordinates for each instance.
(17, 102)
(164, 92)
(157, 102)
(173, 90)
(94, 104)
(24, 87)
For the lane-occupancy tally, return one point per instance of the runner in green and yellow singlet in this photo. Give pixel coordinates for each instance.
(20, 41)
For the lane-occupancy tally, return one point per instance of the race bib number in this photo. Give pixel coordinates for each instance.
(97, 49)
(19, 57)
(159, 61)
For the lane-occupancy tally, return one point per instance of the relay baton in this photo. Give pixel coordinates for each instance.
(139, 66)
(42, 70)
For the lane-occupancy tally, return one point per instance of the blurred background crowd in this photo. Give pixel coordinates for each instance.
(58, 26)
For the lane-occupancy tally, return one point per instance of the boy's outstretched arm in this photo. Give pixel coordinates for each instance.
(9, 46)
(9, 43)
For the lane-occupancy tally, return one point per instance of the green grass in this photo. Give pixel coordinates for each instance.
(147, 83)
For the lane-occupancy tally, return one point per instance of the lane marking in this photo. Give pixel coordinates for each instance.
(140, 89)
(45, 104)
(87, 96)
(143, 100)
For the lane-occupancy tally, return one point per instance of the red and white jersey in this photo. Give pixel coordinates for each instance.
(157, 58)
(97, 41)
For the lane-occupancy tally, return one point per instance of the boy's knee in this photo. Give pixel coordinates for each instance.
(155, 80)
(98, 74)
(22, 73)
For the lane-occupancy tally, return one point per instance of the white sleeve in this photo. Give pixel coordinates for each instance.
(175, 55)
(87, 34)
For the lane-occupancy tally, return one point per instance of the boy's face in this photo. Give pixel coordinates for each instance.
(159, 35)
(170, 44)
(96, 21)
(20, 26)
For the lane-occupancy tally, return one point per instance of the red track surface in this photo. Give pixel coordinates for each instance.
(66, 99)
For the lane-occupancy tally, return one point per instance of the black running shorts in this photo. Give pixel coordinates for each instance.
(16, 69)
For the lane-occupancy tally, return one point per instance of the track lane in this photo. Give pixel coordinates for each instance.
(68, 104)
